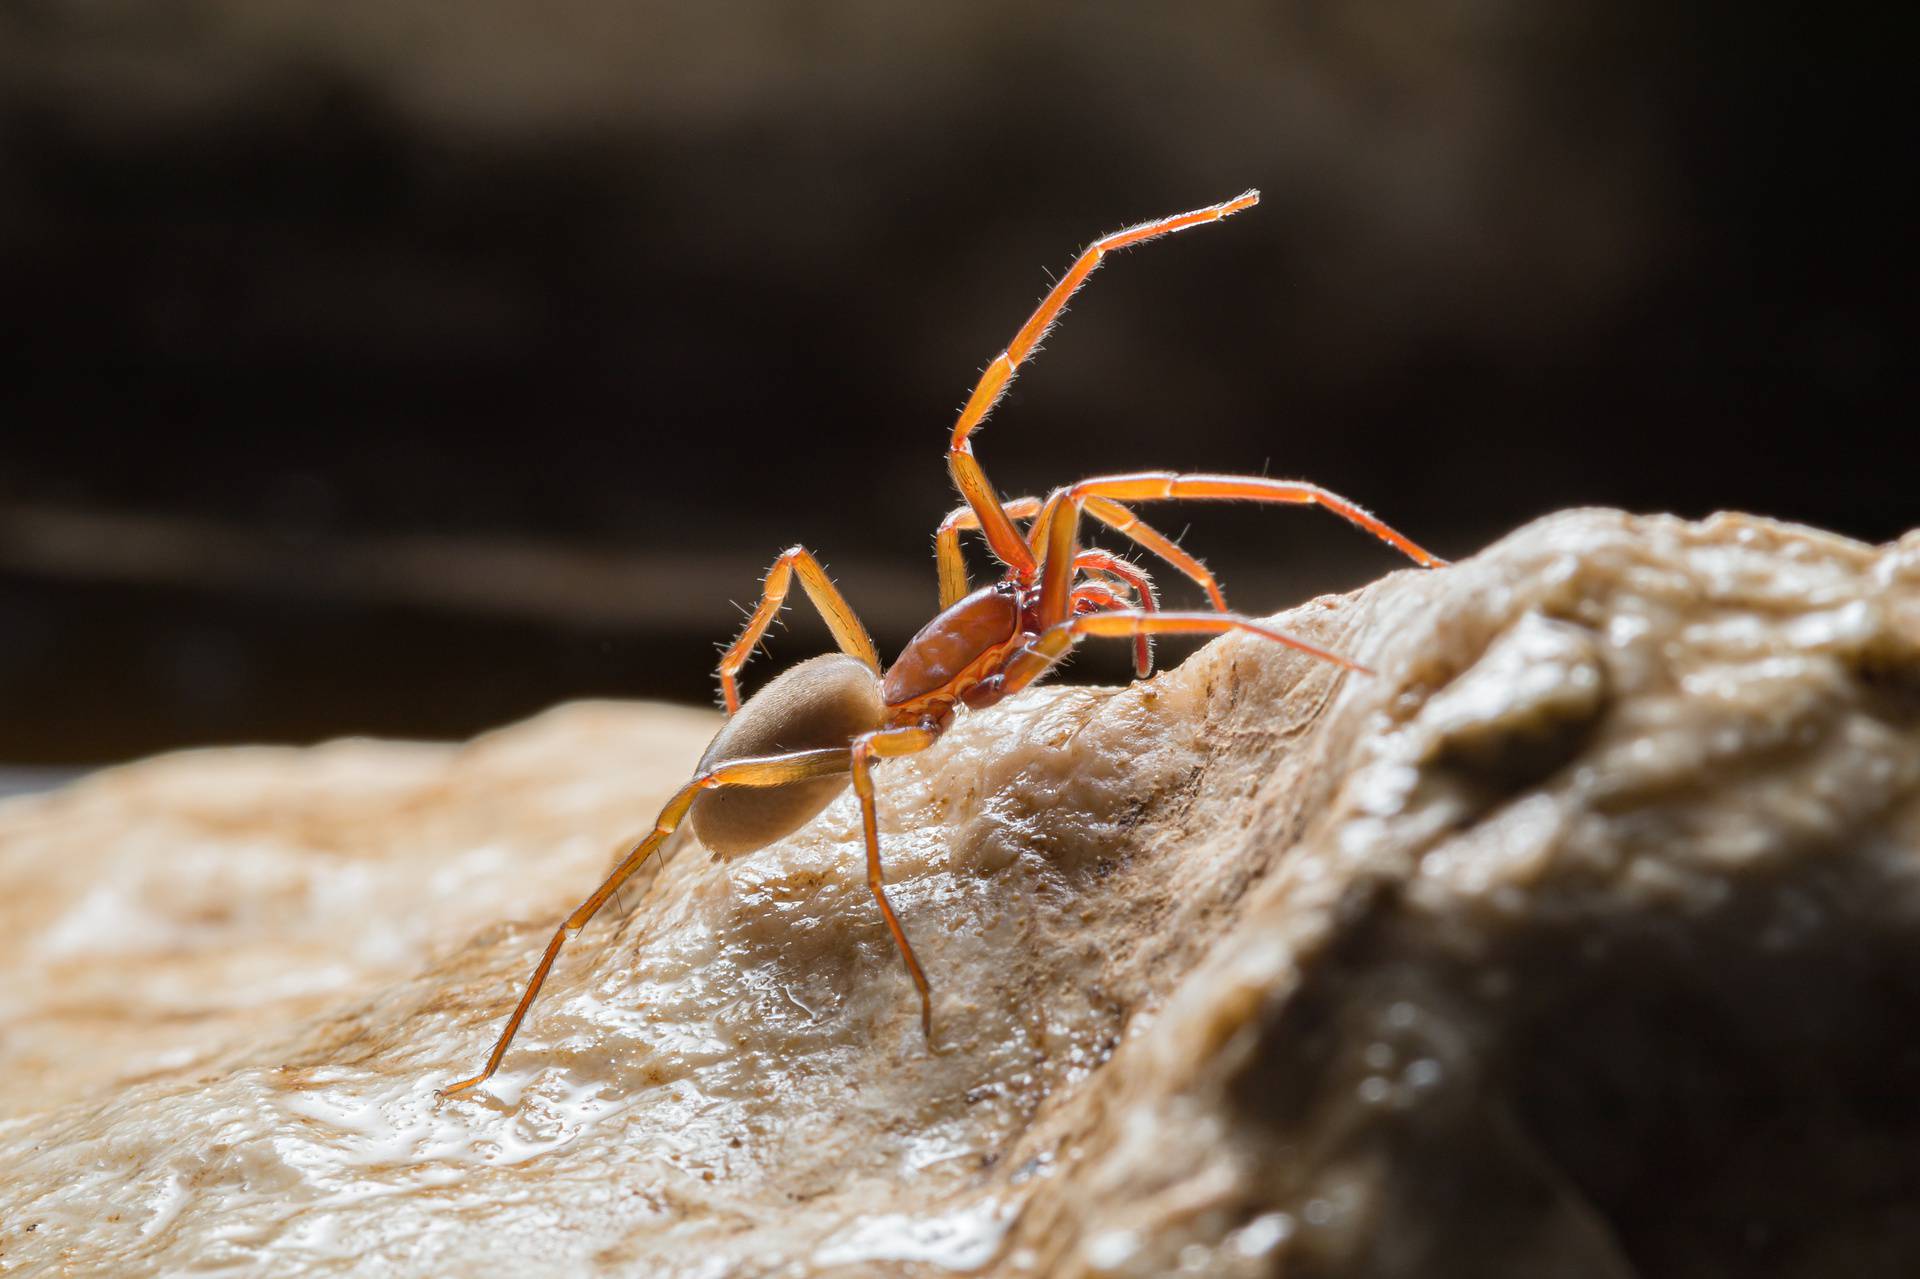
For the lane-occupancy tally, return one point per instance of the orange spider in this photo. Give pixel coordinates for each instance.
(793, 747)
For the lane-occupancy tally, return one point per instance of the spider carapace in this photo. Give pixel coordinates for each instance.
(785, 754)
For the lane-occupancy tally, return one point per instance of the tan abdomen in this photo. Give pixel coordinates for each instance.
(825, 701)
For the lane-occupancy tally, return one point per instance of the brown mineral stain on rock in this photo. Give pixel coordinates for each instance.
(1579, 941)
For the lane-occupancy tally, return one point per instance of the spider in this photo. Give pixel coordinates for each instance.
(794, 746)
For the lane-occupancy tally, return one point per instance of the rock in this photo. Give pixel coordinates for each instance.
(1580, 940)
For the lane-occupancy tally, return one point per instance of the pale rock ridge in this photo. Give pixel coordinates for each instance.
(1580, 940)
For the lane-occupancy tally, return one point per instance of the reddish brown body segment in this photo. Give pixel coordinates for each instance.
(803, 738)
(949, 649)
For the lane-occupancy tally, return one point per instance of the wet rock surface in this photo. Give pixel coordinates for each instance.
(1580, 940)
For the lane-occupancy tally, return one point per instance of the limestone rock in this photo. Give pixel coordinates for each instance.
(1579, 940)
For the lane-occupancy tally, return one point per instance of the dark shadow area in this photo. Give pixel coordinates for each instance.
(1611, 1091)
(629, 283)
(1738, 1109)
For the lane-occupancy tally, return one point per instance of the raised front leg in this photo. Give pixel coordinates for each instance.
(965, 468)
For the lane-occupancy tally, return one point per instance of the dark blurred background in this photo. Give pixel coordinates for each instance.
(381, 367)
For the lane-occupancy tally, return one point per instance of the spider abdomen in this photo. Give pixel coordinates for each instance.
(824, 702)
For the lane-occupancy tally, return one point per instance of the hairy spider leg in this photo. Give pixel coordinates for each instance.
(765, 770)
(1096, 597)
(968, 477)
(1051, 645)
(1056, 530)
(848, 632)
(1127, 524)
(891, 743)
(1142, 584)
(1093, 598)
(953, 570)
(946, 545)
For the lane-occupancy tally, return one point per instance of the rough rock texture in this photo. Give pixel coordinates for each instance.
(1584, 939)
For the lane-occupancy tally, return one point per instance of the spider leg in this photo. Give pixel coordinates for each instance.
(847, 630)
(1166, 484)
(1057, 526)
(1094, 597)
(1052, 644)
(766, 770)
(961, 463)
(953, 570)
(890, 743)
(946, 544)
(1125, 522)
(1142, 584)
